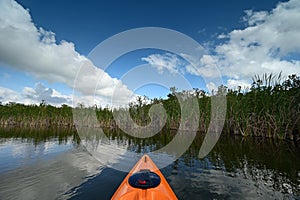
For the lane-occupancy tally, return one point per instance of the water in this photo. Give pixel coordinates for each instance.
(53, 164)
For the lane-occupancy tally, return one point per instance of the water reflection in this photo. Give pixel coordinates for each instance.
(53, 164)
(120, 151)
(35, 164)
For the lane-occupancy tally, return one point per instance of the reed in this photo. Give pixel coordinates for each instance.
(270, 108)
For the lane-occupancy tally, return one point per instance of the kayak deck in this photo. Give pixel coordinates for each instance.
(162, 192)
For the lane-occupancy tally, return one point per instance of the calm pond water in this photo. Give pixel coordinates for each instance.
(53, 164)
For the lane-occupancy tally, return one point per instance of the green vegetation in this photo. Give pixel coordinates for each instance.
(35, 115)
(270, 108)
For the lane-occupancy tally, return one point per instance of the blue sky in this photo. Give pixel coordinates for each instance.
(44, 44)
(86, 24)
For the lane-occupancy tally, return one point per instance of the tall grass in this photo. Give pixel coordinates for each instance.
(270, 108)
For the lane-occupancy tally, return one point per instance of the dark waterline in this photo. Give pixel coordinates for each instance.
(52, 164)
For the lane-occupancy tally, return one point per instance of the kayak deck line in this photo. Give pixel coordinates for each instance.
(144, 182)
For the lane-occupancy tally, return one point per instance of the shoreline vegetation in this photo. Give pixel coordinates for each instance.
(269, 108)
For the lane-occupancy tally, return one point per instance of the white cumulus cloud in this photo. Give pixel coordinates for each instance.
(28, 48)
(35, 96)
(269, 43)
(167, 61)
(42, 93)
(8, 95)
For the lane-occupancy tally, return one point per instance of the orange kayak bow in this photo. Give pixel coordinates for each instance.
(144, 182)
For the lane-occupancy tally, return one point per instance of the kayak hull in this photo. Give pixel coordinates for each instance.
(162, 192)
